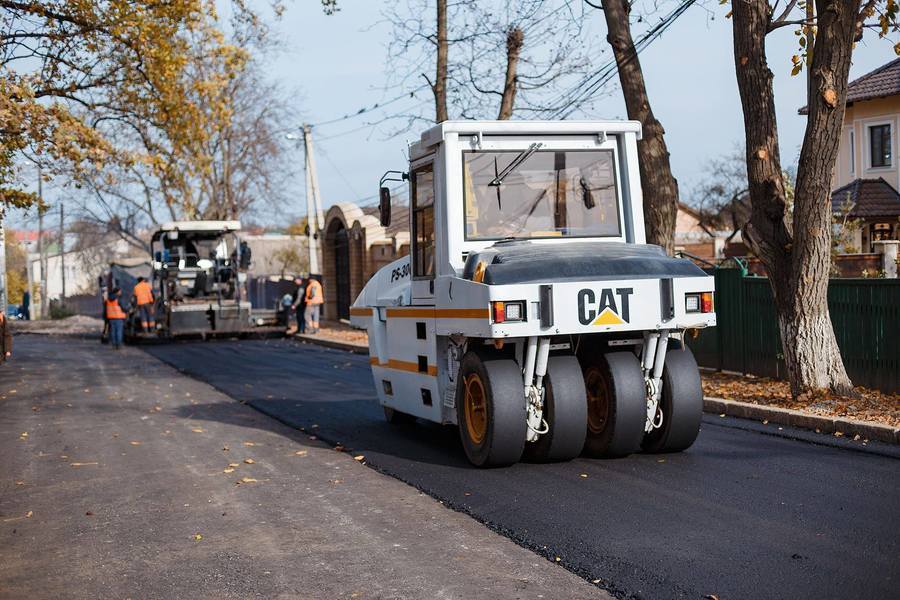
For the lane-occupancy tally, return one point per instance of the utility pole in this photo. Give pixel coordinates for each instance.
(313, 203)
(62, 254)
(42, 248)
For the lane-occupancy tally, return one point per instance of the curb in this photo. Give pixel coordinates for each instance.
(731, 408)
(803, 420)
(355, 347)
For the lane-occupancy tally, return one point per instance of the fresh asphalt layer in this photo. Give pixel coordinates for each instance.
(741, 514)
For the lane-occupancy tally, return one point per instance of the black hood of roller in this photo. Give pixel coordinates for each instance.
(522, 261)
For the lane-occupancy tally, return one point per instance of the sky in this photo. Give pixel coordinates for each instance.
(331, 66)
(335, 65)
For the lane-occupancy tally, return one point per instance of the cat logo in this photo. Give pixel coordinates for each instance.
(606, 311)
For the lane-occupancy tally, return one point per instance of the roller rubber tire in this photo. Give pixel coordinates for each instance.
(623, 383)
(395, 417)
(504, 436)
(682, 404)
(565, 410)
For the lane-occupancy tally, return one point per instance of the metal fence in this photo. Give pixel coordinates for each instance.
(865, 314)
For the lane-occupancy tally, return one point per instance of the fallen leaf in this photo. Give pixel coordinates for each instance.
(249, 444)
(233, 465)
(301, 452)
(20, 483)
(313, 438)
(29, 514)
(584, 475)
(197, 537)
(661, 460)
(23, 435)
(197, 430)
(228, 470)
(225, 448)
(249, 461)
(84, 464)
(722, 415)
(359, 457)
(838, 434)
(558, 559)
(89, 514)
(247, 480)
(134, 443)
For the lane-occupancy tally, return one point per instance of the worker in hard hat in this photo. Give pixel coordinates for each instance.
(314, 300)
(143, 299)
(116, 316)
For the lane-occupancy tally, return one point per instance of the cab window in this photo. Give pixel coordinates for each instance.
(423, 222)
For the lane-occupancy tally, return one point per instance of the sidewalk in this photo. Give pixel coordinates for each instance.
(123, 478)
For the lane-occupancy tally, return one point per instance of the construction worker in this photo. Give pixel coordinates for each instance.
(314, 300)
(299, 304)
(143, 299)
(116, 318)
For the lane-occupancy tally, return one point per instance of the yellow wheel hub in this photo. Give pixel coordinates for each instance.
(475, 408)
(598, 400)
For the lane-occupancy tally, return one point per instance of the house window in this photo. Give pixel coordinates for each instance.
(880, 145)
(852, 152)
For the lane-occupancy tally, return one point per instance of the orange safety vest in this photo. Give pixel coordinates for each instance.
(143, 293)
(114, 310)
(314, 292)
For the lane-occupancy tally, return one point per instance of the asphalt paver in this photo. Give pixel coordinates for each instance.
(122, 478)
(742, 514)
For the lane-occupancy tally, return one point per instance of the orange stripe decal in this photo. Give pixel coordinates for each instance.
(402, 365)
(360, 312)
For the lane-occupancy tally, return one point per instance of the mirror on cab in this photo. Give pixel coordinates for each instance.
(384, 206)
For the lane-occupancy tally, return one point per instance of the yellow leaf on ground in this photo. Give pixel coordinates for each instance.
(301, 452)
(247, 480)
(134, 443)
(249, 444)
(359, 457)
(29, 514)
(197, 430)
(197, 537)
(583, 475)
(249, 461)
(82, 464)
(228, 470)
(233, 465)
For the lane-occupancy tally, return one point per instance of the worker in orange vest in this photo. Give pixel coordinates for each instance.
(314, 300)
(143, 299)
(116, 317)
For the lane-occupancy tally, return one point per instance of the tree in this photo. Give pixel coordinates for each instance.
(16, 269)
(491, 59)
(797, 252)
(98, 64)
(660, 189)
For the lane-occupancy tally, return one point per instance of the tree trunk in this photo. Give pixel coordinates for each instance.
(797, 261)
(515, 38)
(659, 186)
(440, 81)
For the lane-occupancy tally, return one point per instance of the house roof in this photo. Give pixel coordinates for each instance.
(880, 83)
(869, 197)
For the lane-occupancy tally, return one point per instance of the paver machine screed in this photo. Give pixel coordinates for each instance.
(530, 311)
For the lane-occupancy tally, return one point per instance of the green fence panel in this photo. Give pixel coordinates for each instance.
(865, 314)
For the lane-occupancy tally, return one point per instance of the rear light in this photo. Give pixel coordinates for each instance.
(499, 312)
(507, 312)
(699, 303)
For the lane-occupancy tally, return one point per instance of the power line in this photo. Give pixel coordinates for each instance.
(572, 99)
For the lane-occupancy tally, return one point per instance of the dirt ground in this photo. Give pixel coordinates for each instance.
(871, 405)
(77, 325)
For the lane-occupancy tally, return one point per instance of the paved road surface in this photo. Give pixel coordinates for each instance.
(740, 515)
(122, 463)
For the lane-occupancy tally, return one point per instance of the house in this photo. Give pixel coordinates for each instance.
(867, 173)
(356, 245)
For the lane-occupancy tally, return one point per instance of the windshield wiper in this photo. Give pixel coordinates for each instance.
(522, 157)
